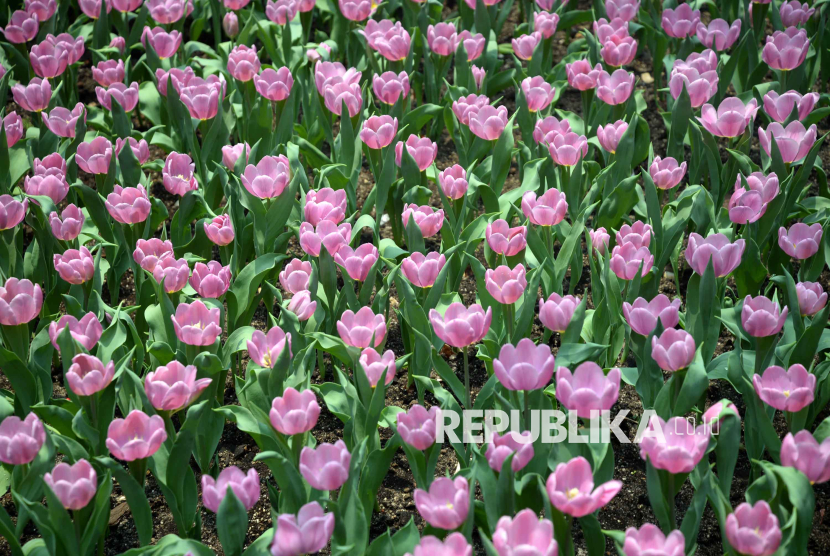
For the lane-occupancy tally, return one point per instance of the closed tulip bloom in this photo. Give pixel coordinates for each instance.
(719, 411)
(794, 141)
(243, 63)
(680, 22)
(265, 349)
(503, 446)
(538, 93)
(48, 60)
(373, 364)
(202, 100)
(180, 78)
(92, 8)
(269, 178)
(230, 24)
(173, 387)
(811, 298)
(719, 35)
(547, 129)
(340, 93)
(42, 9)
(786, 390)
(441, 38)
(488, 122)
(464, 107)
(356, 10)
(165, 44)
(118, 43)
(294, 412)
(446, 504)
(605, 29)
(53, 186)
(473, 44)
(306, 533)
(623, 9)
(75, 266)
(128, 205)
(302, 305)
(649, 540)
(93, 157)
(426, 218)
(169, 11)
(557, 311)
(357, 262)
(20, 301)
(779, 107)
(524, 367)
(60, 121)
(139, 436)
(220, 230)
(376, 30)
(506, 285)
(274, 85)
(74, 485)
(327, 74)
(21, 439)
(281, 12)
(245, 487)
(327, 466)
(422, 270)
(700, 86)
(666, 173)
(753, 530)
(478, 75)
(13, 126)
(582, 76)
(33, 97)
(327, 234)
(795, 13)
(627, 258)
(642, 315)
(295, 276)
(525, 534)
(86, 331)
(762, 317)
(211, 280)
(725, 256)
(568, 149)
(196, 325)
(379, 131)
(600, 239)
(731, 117)
(126, 5)
(638, 233)
(74, 46)
(786, 50)
(389, 86)
(587, 389)
(674, 350)
(618, 51)
(800, 241)
(571, 488)
(358, 329)
(21, 28)
(459, 326)
(545, 23)
(610, 135)
(454, 545)
(231, 153)
(51, 165)
(749, 206)
(801, 452)
(615, 88)
(524, 45)
(12, 212)
(88, 375)
(141, 150)
(127, 97)
(700, 61)
(453, 182)
(394, 45)
(504, 240)
(678, 449)
(325, 204)
(418, 425)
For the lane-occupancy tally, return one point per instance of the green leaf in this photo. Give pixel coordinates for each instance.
(231, 524)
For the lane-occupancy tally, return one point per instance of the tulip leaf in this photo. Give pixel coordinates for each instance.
(231, 523)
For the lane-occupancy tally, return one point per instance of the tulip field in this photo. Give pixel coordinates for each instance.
(412, 278)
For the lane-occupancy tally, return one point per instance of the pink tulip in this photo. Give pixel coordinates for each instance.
(609, 136)
(220, 230)
(418, 425)
(211, 280)
(93, 157)
(21, 28)
(52, 186)
(48, 60)
(649, 540)
(795, 13)
(731, 117)
(179, 78)
(128, 205)
(568, 149)
(464, 107)
(642, 315)
(202, 100)
(459, 326)
(811, 298)
(294, 412)
(74, 485)
(504, 240)
(327, 234)
(245, 487)
(545, 23)
(428, 220)
(605, 30)
(524, 45)
(674, 350)
(545, 130)
(453, 182)
(786, 390)
(86, 331)
(376, 30)
(118, 43)
(587, 389)
(357, 262)
(779, 107)
(478, 75)
(302, 305)
(446, 504)
(389, 86)
(195, 324)
(525, 534)
(571, 488)
(374, 365)
(719, 411)
(719, 35)
(75, 265)
(171, 273)
(557, 311)
(51, 165)
(665, 172)
(20, 301)
(359, 329)
(748, 206)
(87, 375)
(140, 148)
(761, 317)
(786, 50)
(169, 11)
(265, 349)
(13, 126)
(231, 153)
(165, 44)
(327, 74)
(340, 93)
(33, 97)
(269, 178)
(623, 9)
(243, 63)
(503, 446)
(230, 24)
(600, 239)
(678, 449)
(627, 258)
(295, 276)
(139, 436)
(473, 44)
(394, 45)
(125, 6)
(638, 234)
(725, 256)
(178, 174)
(618, 51)
(42, 9)
(794, 141)
(454, 545)
(680, 22)
(506, 285)
(281, 12)
(12, 212)
(327, 466)
(355, 10)
(127, 97)
(441, 38)
(547, 5)
(582, 76)
(538, 93)
(60, 121)
(173, 387)
(700, 86)
(73, 46)
(21, 439)
(379, 131)
(422, 270)
(801, 452)
(274, 85)
(306, 533)
(524, 367)
(488, 122)
(800, 241)
(615, 88)
(753, 530)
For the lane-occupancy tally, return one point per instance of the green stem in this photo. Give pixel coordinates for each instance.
(527, 410)
(469, 402)
(191, 353)
(76, 521)
(138, 469)
(508, 320)
(670, 501)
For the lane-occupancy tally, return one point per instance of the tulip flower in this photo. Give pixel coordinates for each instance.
(618, 51)
(459, 326)
(627, 258)
(811, 298)
(582, 76)
(243, 63)
(33, 97)
(172, 274)
(357, 262)
(21, 28)
(20, 301)
(441, 38)
(93, 157)
(338, 94)
(245, 487)
(753, 530)
(327, 74)
(230, 24)
(429, 221)
(141, 150)
(48, 60)
(568, 149)
(678, 449)
(538, 93)
(302, 305)
(524, 367)
(211, 280)
(281, 12)
(623, 9)
(545, 130)
(700, 86)
(730, 119)
(306, 533)
(231, 153)
(87, 374)
(422, 270)
(165, 44)
(327, 234)
(86, 331)
(376, 30)
(454, 545)
(615, 88)
(220, 230)
(801, 452)
(800, 241)
(327, 466)
(21, 439)
(749, 206)
(358, 329)
(275, 85)
(464, 107)
(761, 317)
(504, 240)
(719, 35)
(51, 165)
(786, 50)
(794, 141)
(557, 311)
(453, 182)
(587, 389)
(13, 126)
(294, 412)
(571, 488)
(169, 11)
(418, 425)
(295, 276)
(92, 8)
(473, 44)
(446, 504)
(506, 285)
(74, 485)
(128, 205)
(609, 136)
(779, 107)
(195, 324)
(180, 78)
(125, 6)
(373, 364)
(638, 234)
(642, 315)
(524, 45)
(488, 122)
(666, 173)
(379, 131)
(394, 45)
(53, 186)
(674, 350)
(718, 411)
(545, 23)
(42, 9)
(524, 534)
(725, 256)
(325, 204)
(355, 10)
(265, 349)
(421, 149)
(13, 211)
(118, 43)
(787, 390)
(680, 22)
(600, 239)
(127, 97)
(173, 387)
(649, 540)
(795, 13)
(202, 100)
(269, 178)
(139, 436)
(605, 30)
(75, 265)
(503, 446)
